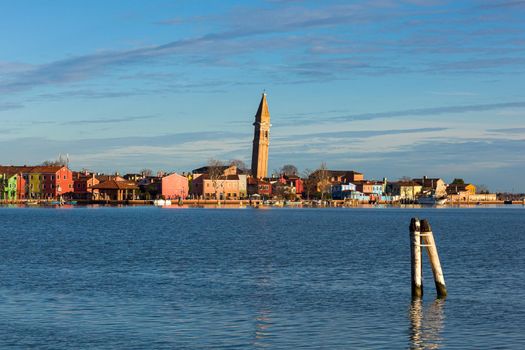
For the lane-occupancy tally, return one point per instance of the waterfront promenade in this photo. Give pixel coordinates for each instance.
(256, 203)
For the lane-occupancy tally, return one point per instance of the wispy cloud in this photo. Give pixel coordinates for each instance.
(517, 130)
(238, 32)
(110, 120)
(362, 133)
(409, 112)
(8, 106)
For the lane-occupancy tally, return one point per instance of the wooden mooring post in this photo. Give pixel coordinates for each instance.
(429, 243)
(421, 236)
(416, 258)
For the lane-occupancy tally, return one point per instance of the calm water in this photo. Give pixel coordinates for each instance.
(151, 278)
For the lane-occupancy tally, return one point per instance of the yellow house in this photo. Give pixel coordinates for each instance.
(459, 188)
(34, 185)
(462, 193)
(405, 189)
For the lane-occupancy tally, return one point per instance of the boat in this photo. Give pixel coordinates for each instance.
(162, 202)
(431, 200)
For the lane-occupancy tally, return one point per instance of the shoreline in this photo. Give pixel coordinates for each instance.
(193, 203)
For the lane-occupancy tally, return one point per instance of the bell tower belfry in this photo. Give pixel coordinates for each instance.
(261, 140)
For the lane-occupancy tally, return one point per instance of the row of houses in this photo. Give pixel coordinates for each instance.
(53, 182)
(405, 190)
(222, 182)
(28, 182)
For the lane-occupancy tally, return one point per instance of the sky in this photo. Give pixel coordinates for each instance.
(388, 88)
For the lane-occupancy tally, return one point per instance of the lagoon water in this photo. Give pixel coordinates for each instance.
(152, 278)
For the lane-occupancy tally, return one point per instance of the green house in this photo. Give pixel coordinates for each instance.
(8, 190)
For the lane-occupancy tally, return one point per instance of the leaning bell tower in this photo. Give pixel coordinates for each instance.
(261, 140)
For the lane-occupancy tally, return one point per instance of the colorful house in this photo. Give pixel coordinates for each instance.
(435, 186)
(343, 191)
(113, 190)
(294, 184)
(9, 186)
(82, 183)
(174, 186)
(222, 187)
(260, 187)
(325, 180)
(461, 192)
(41, 182)
(230, 184)
(51, 181)
(33, 183)
(458, 188)
(404, 190)
(14, 177)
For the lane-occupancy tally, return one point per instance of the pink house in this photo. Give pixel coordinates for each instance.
(174, 186)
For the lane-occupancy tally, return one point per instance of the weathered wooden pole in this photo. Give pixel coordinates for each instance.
(416, 258)
(430, 245)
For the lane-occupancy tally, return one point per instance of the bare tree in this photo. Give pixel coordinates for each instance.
(405, 178)
(279, 190)
(458, 181)
(309, 182)
(146, 172)
(482, 189)
(60, 161)
(215, 173)
(289, 169)
(241, 165)
(322, 176)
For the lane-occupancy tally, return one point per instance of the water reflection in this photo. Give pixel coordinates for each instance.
(263, 323)
(264, 295)
(426, 324)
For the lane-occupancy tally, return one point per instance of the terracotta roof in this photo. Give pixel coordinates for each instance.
(116, 185)
(10, 170)
(222, 177)
(103, 178)
(428, 182)
(30, 169)
(407, 183)
(46, 169)
(13, 169)
(455, 188)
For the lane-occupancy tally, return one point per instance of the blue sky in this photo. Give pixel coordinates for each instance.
(389, 88)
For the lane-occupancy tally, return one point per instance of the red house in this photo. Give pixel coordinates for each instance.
(55, 181)
(294, 182)
(82, 183)
(260, 187)
(174, 186)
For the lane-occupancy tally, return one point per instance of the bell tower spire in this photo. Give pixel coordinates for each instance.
(261, 140)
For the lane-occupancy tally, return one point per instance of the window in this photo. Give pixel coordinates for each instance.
(64, 177)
